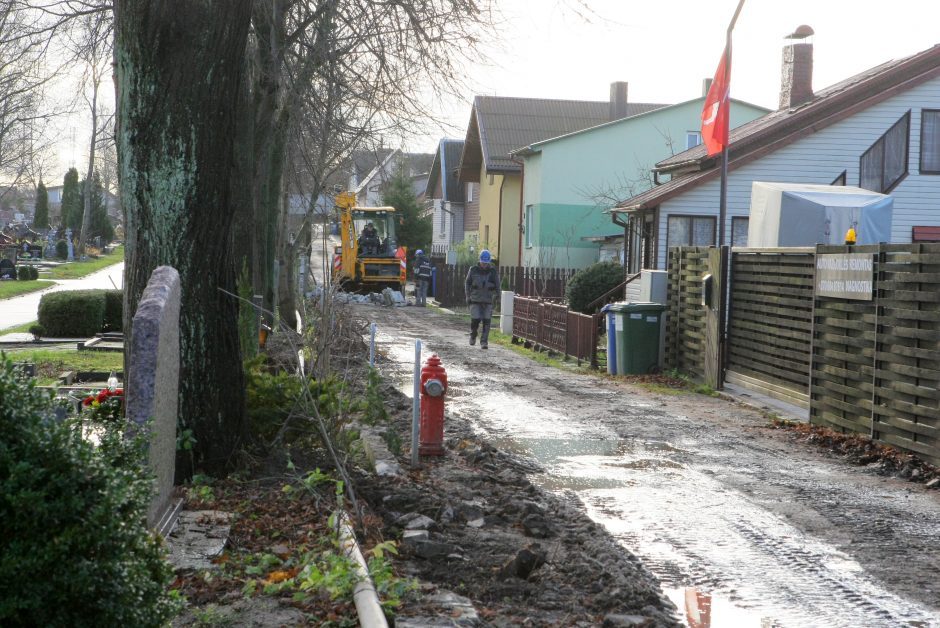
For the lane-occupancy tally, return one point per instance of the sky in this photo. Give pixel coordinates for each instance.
(662, 48)
(665, 48)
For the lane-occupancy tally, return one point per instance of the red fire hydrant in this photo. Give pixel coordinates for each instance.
(433, 389)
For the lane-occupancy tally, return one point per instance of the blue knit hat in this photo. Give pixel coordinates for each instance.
(485, 256)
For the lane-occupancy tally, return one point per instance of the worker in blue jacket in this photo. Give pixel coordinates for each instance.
(482, 288)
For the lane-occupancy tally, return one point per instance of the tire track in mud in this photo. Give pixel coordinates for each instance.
(773, 532)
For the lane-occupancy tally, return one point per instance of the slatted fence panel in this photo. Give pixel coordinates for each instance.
(685, 318)
(771, 317)
(906, 403)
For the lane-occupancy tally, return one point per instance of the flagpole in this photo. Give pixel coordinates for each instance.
(723, 199)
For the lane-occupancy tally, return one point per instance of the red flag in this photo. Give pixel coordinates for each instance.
(715, 112)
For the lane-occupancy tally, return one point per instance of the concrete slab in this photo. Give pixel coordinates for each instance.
(788, 411)
(199, 537)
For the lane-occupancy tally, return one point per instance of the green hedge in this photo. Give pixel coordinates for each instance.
(76, 313)
(592, 283)
(74, 545)
(113, 310)
(73, 313)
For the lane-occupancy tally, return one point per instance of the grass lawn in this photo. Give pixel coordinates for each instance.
(18, 329)
(76, 270)
(16, 288)
(50, 363)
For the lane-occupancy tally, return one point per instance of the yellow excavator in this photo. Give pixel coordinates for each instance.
(368, 258)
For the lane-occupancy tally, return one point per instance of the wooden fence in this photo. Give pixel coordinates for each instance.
(555, 327)
(685, 314)
(876, 364)
(869, 367)
(770, 321)
(544, 283)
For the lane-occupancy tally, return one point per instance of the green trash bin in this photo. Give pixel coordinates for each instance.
(637, 328)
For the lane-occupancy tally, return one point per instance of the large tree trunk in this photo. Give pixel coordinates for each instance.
(179, 67)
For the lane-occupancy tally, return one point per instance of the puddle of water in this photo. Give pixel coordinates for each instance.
(702, 609)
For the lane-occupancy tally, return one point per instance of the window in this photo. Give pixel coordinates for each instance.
(692, 138)
(739, 230)
(690, 231)
(884, 165)
(930, 141)
(842, 179)
(527, 228)
(469, 192)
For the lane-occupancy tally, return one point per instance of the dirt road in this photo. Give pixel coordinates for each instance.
(743, 526)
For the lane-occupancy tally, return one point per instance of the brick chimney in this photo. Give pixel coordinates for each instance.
(618, 100)
(796, 82)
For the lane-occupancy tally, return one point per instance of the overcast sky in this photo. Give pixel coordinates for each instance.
(664, 48)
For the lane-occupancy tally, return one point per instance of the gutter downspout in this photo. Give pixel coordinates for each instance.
(499, 221)
(521, 203)
(615, 217)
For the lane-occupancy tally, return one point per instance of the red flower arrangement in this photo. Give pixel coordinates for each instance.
(106, 405)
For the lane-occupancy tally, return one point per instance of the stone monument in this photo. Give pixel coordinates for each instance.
(152, 386)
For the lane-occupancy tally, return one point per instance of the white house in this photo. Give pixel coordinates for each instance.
(879, 130)
(445, 196)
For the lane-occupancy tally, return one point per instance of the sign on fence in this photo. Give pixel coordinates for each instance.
(845, 275)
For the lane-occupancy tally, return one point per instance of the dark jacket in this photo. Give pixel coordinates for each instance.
(482, 284)
(422, 268)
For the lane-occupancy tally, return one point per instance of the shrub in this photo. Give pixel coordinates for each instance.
(33, 272)
(74, 546)
(22, 273)
(73, 313)
(38, 331)
(62, 249)
(591, 283)
(113, 310)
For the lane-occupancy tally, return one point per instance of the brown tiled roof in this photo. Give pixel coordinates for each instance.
(778, 128)
(500, 124)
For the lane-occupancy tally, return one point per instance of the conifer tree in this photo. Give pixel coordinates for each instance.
(41, 216)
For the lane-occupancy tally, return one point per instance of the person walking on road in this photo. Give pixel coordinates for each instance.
(482, 288)
(422, 278)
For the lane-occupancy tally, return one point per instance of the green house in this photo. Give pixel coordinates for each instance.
(569, 182)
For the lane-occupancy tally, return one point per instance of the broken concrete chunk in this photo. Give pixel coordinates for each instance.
(413, 537)
(421, 523)
(524, 563)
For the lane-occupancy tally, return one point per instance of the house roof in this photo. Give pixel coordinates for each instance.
(536, 147)
(500, 124)
(779, 128)
(445, 160)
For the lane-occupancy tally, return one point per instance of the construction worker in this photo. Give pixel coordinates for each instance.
(422, 278)
(369, 239)
(482, 288)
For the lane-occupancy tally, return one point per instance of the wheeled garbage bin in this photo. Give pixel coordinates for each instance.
(611, 339)
(637, 331)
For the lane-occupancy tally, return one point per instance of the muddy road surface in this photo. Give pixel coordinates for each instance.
(742, 525)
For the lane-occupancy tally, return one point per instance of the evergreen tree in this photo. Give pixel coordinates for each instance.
(72, 202)
(100, 223)
(413, 231)
(41, 217)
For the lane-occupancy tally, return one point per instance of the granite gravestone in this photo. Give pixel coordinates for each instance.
(7, 269)
(151, 389)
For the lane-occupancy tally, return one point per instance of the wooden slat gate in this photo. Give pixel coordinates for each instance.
(770, 321)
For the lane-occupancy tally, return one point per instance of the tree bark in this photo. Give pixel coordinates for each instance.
(179, 69)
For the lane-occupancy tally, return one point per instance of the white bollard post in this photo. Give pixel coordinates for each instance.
(505, 311)
(372, 345)
(416, 405)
